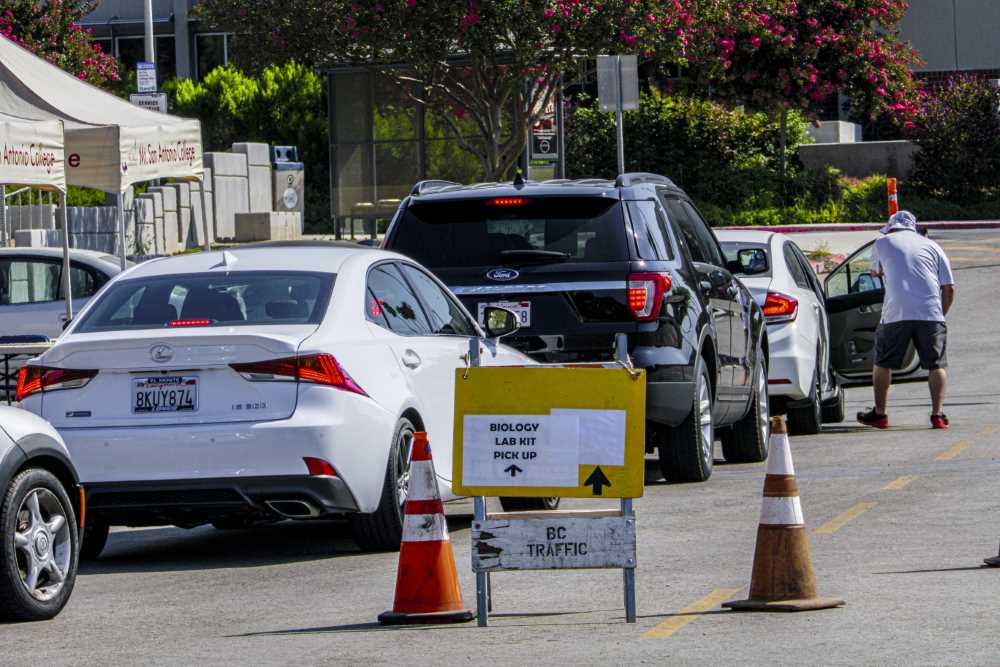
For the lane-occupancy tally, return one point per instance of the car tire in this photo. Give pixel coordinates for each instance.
(36, 497)
(808, 419)
(834, 409)
(748, 440)
(688, 451)
(382, 530)
(94, 539)
(510, 504)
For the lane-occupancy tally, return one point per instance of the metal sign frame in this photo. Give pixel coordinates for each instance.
(622, 522)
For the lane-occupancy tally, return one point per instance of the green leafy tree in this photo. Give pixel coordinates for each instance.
(52, 31)
(486, 69)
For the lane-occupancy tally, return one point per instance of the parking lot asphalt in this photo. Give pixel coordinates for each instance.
(899, 522)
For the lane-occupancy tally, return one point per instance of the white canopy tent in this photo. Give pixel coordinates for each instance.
(32, 154)
(110, 143)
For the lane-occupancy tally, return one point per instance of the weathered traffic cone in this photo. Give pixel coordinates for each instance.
(427, 589)
(993, 562)
(783, 577)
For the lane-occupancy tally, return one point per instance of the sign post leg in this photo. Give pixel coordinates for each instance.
(482, 593)
(628, 574)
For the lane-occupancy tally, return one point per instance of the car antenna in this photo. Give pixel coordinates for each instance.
(518, 179)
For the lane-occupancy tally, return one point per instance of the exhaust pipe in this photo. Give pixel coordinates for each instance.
(293, 509)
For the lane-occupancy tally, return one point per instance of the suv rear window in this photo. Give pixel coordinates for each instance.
(512, 230)
(200, 299)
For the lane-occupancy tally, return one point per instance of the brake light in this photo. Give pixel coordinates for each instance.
(780, 307)
(190, 323)
(319, 467)
(314, 368)
(507, 201)
(645, 294)
(32, 379)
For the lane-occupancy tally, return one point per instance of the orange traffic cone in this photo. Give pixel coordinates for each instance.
(782, 578)
(427, 589)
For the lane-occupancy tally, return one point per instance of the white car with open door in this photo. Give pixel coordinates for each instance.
(281, 380)
(781, 279)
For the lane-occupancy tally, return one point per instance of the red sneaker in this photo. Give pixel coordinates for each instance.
(939, 421)
(872, 418)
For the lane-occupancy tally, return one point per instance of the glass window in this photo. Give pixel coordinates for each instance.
(396, 168)
(211, 51)
(133, 49)
(395, 303)
(798, 275)
(447, 317)
(853, 275)
(84, 282)
(697, 236)
(28, 281)
(512, 231)
(650, 232)
(233, 299)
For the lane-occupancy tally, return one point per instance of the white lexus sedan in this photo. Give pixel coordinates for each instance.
(282, 380)
(782, 281)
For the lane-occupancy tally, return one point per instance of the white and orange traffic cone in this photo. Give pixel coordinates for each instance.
(783, 577)
(427, 588)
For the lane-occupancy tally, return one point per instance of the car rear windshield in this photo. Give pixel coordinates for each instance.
(206, 300)
(512, 231)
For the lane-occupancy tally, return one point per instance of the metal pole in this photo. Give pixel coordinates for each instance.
(619, 121)
(67, 283)
(3, 214)
(121, 231)
(204, 216)
(561, 120)
(147, 17)
(479, 515)
(628, 573)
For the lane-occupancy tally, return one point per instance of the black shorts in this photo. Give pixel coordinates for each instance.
(893, 340)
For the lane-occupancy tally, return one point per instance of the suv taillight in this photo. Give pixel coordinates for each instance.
(645, 294)
(780, 308)
(314, 368)
(33, 379)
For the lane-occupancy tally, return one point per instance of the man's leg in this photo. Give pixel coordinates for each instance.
(938, 381)
(881, 379)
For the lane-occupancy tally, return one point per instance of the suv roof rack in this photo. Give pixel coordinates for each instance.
(432, 185)
(635, 178)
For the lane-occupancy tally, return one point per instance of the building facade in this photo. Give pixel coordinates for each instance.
(184, 47)
(955, 36)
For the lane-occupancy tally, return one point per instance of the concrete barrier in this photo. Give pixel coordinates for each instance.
(892, 158)
(273, 226)
(258, 174)
(230, 189)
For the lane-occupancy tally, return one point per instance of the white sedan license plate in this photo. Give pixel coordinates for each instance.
(521, 308)
(165, 393)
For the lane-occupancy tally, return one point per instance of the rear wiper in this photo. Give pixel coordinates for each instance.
(532, 255)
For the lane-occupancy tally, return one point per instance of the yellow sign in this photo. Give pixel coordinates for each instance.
(539, 432)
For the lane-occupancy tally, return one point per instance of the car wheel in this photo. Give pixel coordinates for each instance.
(748, 439)
(382, 530)
(808, 419)
(39, 557)
(528, 504)
(834, 408)
(688, 450)
(95, 537)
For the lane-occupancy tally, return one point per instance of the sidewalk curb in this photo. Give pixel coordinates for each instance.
(869, 227)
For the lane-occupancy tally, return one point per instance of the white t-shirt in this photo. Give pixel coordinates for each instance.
(914, 269)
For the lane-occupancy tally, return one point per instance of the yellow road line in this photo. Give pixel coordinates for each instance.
(837, 522)
(961, 446)
(690, 613)
(899, 483)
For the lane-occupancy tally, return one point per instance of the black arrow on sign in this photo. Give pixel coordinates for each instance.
(597, 480)
(513, 470)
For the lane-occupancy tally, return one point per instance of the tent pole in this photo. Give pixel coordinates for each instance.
(122, 252)
(67, 282)
(3, 215)
(204, 217)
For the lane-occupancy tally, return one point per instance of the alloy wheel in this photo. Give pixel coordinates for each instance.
(43, 545)
(763, 406)
(705, 419)
(403, 445)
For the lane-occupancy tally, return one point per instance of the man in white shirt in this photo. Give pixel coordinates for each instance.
(919, 290)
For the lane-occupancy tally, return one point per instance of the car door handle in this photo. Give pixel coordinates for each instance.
(411, 359)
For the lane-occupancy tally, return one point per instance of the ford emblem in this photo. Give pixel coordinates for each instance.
(161, 353)
(502, 275)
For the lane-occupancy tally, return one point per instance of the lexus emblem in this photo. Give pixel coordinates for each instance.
(161, 353)
(502, 275)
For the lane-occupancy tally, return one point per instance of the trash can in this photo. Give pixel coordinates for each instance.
(289, 185)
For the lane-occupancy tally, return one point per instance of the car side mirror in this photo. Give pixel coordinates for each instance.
(500, 322)
(752, 261)
(719, 278)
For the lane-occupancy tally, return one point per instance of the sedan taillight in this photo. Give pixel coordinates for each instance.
(314, 368)
(33, 379)
(645, 294)
(780, 308)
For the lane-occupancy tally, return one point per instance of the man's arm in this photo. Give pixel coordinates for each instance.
(947, 297)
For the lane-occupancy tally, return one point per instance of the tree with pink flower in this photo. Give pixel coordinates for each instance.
(52, 30)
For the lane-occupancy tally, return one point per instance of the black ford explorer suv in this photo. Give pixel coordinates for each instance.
(580, 261)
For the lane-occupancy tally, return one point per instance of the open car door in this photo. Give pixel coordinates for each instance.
(854, 305)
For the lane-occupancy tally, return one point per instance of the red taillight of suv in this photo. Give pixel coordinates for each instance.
(32, 379)
(780, 307)
(645, 294)
(314, 368)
